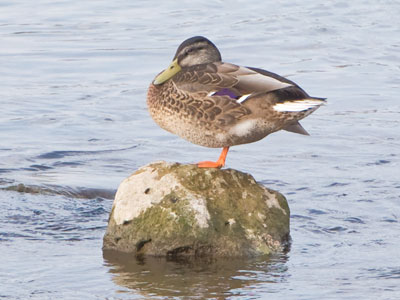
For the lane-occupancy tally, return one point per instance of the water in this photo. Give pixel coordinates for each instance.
(74, 124)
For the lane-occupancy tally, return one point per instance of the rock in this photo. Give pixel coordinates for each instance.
(170, 209)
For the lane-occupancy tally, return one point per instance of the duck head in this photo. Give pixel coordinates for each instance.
(193, 51)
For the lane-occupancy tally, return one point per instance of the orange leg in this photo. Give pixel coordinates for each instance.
(215, 164)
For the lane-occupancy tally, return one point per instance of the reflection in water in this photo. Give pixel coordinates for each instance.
(195, 278)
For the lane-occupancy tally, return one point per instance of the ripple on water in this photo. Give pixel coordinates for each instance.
(390, 220)
(54, 217)
(76, 192)
(62, 154)
(335, 229)
(302, 217)
(316, 212)
(40, 167)
(6, 170)
(383, 273)
(68, 163)
(354, 220)
(338, 184)
(378, 162)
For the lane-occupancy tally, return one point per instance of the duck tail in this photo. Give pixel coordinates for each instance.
(296, 128)
(309, 103)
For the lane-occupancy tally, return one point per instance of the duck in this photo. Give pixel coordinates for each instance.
(218, 104)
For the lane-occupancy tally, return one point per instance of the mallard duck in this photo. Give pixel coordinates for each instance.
(217, 104)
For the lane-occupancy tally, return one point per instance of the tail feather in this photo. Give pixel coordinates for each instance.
(299, 105)
(296, 128)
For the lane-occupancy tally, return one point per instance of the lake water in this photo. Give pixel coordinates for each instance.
(74, 124)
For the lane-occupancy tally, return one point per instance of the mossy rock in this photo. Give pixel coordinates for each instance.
(166, 209)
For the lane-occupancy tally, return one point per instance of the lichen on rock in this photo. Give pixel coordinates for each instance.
(171, 209)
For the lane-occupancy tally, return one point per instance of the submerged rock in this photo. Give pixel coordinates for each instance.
(170, 209)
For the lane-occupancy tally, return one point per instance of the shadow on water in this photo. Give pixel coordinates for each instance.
(198, 278)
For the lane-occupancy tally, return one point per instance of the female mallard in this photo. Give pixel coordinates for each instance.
(216, 104)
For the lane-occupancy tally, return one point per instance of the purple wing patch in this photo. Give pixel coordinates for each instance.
(226, 92)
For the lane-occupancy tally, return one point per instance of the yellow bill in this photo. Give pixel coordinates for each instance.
(168, 73)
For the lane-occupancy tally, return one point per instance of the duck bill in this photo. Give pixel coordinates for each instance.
(168, 73)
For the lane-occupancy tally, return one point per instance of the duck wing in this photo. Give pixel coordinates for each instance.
(221, 91)
(220, 75)
(210, 95)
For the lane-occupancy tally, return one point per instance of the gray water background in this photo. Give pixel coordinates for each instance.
(74, 124)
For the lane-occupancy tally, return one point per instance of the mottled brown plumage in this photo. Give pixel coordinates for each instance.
(216, 104)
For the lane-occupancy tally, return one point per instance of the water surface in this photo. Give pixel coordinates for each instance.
(74, 124)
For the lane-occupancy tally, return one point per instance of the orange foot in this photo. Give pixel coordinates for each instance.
(215, 164)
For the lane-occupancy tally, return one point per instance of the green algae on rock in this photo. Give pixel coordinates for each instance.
(171, 209)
